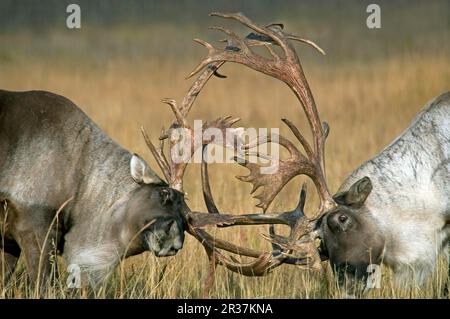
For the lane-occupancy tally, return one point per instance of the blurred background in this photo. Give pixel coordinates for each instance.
(128, 55)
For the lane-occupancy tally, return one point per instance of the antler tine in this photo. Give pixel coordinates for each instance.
(275, 138)
(158, 154)
(306, 41)
(275, 56)
(238, 16)
(181, 118)
(299, 210)
(300, 137)
(198, 85)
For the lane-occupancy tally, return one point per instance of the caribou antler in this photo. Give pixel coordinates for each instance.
(287, 69)
(299, 247)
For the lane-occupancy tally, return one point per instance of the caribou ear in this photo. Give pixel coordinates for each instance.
(356, 195)
(142, 173)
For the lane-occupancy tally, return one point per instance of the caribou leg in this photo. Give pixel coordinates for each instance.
(9, 249)
(36, 244)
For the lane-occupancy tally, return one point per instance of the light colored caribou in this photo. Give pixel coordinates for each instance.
(396, 206)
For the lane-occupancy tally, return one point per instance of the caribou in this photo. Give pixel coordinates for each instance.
(66, 187)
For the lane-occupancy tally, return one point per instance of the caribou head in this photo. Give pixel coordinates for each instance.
(335, 223)
(153, 214)
(350, 237)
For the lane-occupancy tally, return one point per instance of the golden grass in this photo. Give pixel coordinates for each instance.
(367, 104)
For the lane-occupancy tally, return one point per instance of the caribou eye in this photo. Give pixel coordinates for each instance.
(343, 218)
(166, 196)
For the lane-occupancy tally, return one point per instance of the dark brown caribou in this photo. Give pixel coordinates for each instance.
(112, 204)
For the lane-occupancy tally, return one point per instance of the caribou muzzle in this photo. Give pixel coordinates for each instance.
(164, 238)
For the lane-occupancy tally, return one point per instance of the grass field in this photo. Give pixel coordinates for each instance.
(368, 87)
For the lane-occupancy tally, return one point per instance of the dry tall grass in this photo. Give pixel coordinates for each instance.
(367, 103)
